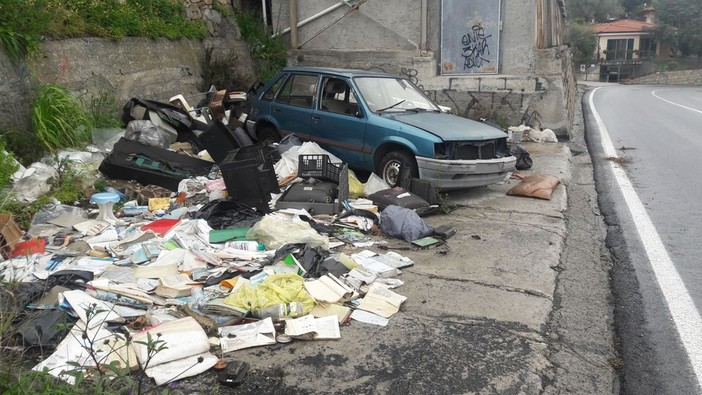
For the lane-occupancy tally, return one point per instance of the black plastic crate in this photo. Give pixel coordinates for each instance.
(249, 181)
(317, 166)
(253, 155)
(324, 208)
(259, 152)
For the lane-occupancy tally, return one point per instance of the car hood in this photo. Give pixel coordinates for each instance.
(448, 127)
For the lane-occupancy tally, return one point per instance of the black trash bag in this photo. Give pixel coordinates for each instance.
(310, 258)
(403, 223)
(225, 214)
(524, 160)
(45, 328)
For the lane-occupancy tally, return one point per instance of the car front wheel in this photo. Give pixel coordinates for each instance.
(394, 162)
(268, 135)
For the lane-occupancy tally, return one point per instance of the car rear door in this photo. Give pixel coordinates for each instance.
(292, 107)
(338, 124)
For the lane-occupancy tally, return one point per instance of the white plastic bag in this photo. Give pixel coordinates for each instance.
(374, 184)
(274, 232)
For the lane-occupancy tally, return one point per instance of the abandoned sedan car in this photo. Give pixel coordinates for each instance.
(382, 123)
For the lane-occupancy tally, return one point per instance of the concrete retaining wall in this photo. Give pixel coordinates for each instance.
(131, 67)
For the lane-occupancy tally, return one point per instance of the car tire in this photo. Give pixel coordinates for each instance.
(393, 162)
(268, 135)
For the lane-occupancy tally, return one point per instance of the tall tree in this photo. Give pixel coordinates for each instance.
(681, 21)
(594, 10)
(582, 41)
(633, 7)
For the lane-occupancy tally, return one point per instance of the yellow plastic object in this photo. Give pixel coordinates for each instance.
(355, 186)
(275, 289)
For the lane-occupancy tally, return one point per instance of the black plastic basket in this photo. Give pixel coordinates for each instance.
(318, 166)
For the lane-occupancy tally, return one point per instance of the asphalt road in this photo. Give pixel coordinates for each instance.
(645, 143)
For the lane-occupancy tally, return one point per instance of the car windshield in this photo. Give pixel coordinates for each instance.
(393, 94)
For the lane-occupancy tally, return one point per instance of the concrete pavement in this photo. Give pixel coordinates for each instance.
(515, 303)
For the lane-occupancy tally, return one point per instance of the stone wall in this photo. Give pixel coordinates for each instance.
(131, 67)
(684, 77)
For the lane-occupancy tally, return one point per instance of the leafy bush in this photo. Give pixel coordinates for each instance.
(58, 119)
(8, 165)
(24, 146)
(268, 52)
(218, 71)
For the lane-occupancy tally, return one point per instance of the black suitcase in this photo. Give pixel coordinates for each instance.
(149, 165)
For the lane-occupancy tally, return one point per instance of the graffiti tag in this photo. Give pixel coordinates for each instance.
(475, 47)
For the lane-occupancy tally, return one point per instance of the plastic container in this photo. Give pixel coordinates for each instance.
(318, 166)
(280, 311)
(249, 181)
(516, 137)
(246, 245)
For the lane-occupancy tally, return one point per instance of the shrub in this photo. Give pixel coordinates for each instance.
(268, 52)
(58, 119)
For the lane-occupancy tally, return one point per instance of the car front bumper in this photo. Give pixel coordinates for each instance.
(460, 174)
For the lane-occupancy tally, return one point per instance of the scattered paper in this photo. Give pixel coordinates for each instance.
(84, 305)
(183, 338)
(309, 327)
(237, 337)
(369, 318)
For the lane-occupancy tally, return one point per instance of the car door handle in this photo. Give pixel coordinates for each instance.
(315, 117)
(276, 109)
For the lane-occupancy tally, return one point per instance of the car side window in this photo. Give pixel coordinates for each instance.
(270, 93)
(338, 97)
(298, 90)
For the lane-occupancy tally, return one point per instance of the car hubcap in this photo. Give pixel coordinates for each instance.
(392, 171)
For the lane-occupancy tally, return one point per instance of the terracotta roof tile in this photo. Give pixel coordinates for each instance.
(622, 26)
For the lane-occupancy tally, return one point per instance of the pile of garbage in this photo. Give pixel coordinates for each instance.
(205, 243)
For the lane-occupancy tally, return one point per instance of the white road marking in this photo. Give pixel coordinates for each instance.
(682, 308)
(671, 102)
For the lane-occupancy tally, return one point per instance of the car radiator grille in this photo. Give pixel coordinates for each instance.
(475, 150)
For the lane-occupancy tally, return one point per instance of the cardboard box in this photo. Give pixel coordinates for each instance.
(10, 234)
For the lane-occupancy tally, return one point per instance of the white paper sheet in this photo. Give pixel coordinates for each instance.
(238, 337)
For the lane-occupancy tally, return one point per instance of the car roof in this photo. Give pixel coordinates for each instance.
(342, 72)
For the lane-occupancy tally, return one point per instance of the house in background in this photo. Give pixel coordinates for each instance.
(624, 47)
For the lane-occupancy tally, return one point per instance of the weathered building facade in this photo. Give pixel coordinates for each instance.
(500, 59)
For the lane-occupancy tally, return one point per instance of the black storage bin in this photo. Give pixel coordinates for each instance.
(257, 153)
(249, 181)
(317, 166)
(218, 140)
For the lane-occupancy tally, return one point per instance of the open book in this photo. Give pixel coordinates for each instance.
(308, 327)
(328, 289)
(381, 301)
(174, 286)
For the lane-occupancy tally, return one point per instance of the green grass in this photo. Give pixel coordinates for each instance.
(25, 23)
(58, 119)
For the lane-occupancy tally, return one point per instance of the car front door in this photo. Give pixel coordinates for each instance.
(338, 123)
(292, 107)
